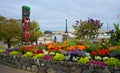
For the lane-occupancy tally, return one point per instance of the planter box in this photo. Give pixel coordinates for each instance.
(46, 66)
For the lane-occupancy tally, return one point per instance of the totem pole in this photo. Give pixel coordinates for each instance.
(25, 25)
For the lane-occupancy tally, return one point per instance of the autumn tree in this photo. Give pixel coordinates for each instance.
(34, 31)
(87, 29)
(2, 21)
(10, 32)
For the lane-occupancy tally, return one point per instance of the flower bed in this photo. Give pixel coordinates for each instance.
(64, 57)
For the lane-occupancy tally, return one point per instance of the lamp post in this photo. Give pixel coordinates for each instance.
(65, 35)
(118, 19)
(66, 25)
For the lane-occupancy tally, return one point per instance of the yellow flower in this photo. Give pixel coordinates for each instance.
(114, 48)
(104, 44)
(100, 46)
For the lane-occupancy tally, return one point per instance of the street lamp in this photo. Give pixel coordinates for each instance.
(65, 35)
(66, 25)
(118, 19)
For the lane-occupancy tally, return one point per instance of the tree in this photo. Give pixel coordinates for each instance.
(2, 18)
(115, 35)
(2, 21)
(87, 29)
(10, 32)
(34, 31)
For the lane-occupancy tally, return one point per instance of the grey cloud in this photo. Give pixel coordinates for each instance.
(52, 13)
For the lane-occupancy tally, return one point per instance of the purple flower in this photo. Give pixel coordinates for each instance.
(97, 63)
(76, 52)
(97, 22)
(113, 54)
(69, 52)
(77, 21)
(7, 51)
(91, 20)
(47, 57)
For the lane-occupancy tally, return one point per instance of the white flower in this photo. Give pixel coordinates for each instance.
(89, 57)
(45, 52)
(88, 54)
(75, 58)
(67, 57)
(52, 53)
(98, 58)
(105, 58)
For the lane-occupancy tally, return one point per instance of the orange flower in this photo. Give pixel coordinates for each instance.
(71, 48)
(50, 47)
(63, 46)
(81, 47)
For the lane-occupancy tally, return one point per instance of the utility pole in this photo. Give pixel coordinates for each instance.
(118, 19)
(107, 27)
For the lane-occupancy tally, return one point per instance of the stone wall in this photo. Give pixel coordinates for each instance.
(45, 66)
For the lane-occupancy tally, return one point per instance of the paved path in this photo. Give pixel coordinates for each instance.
(5, 69)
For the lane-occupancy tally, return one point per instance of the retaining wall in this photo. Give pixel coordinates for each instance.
(45, 66)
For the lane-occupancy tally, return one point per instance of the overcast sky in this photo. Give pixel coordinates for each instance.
(51, 14)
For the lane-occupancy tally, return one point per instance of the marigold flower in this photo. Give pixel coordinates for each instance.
(81, 47)
(71, 48)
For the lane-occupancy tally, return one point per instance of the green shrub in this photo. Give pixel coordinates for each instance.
(43, 47)
(92, 46)
(21, 49)
(104, 44)
(2, 50)
(14, 53)
(2, 47)
(84, 60)
(117, 51)
(59, 56)
(118, 43)
(115, 35)
(73, 42)
(28, 54)
(41, 55)
(37, 47)
(113, 62)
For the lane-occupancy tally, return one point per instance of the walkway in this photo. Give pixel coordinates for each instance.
(5, 69)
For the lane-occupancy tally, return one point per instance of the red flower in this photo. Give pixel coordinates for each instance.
(94, 53)
(56, 48)
(39, 51)
(102, 52)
